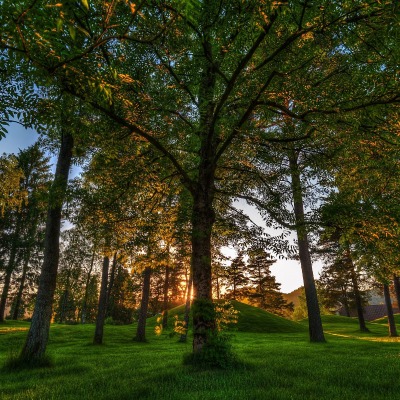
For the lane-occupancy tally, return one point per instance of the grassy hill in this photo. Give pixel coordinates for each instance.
(384, 320)
(251, 319)
(293, 296)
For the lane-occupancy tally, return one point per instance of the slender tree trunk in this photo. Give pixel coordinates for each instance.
(314, 316)
(111, 284)
(396, 282)
(4, 294)
(21, 287)
(101, 311)
(10, 269)
(186, 318)
(64, 299)
(85, 298)
(165, 305)
(357, 297)
(141, 328)
(388, 301)
(27, 255)
(346, 303)
(36, 342)
(218, 288)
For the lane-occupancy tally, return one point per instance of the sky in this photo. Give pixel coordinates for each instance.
(286, 272)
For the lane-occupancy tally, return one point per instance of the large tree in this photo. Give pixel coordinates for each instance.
(194, 78)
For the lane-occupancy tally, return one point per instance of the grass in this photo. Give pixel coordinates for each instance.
(279, 365)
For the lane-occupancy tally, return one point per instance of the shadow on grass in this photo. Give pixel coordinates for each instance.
(15, 362)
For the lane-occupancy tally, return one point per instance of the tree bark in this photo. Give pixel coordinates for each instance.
(396, 283)
(101, 311)
(388, 301)
(314, 316)
(165, 301)
(21, 287)
(10, 269)
(203, 308)
(141, 328)
(84, 305)
(36, 342)
(111, 284)
(357, 297)
(186, 318)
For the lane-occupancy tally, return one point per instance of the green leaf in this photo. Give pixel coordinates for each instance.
(59, 24)
(72, 31)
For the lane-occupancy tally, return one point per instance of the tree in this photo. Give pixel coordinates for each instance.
(236, 277)
(193, 80)
(38, 334)
(265, 291)
(26, 220)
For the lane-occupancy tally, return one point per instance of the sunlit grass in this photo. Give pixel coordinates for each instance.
(279, 366)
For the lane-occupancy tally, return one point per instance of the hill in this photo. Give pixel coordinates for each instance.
(250, 319)
(293, 296)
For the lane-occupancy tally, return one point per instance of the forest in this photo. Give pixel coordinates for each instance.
(180, 116)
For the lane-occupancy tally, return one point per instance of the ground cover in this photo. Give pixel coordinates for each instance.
(280, 365)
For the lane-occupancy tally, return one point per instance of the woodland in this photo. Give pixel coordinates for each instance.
(177, 113)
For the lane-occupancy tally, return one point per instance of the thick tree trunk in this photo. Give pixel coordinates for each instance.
(203, 308)
(186, 318)
(85, 298)
(388, 301)
(141, 328)
(357, 297)
(314, 316)
(36, 342)
(396, 283)
(101, 311)
(165, 300)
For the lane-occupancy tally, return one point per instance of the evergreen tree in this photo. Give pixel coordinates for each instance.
(265, 291)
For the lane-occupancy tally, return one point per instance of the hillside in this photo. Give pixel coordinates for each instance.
(293, 296)
(251, 319)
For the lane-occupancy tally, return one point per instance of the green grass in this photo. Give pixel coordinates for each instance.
(250, 319)
(278, 366)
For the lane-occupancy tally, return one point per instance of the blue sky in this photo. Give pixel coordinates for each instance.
(17, 138)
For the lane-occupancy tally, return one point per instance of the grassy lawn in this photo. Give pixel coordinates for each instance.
(279, 365)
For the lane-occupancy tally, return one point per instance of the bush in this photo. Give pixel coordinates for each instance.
(216, 353)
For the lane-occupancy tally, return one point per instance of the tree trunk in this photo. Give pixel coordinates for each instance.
(141, 328)
(388, 301)
(357, 296)
(346, 302)
(4, 294)
(314, 316)
(203, 308)
(10, 269)
(27, 255)
(186, 318)
(165, 305)
(218, 289)
(36, 342)
(101, 311)
(396, 283)
(84, 305)
(111, 284)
